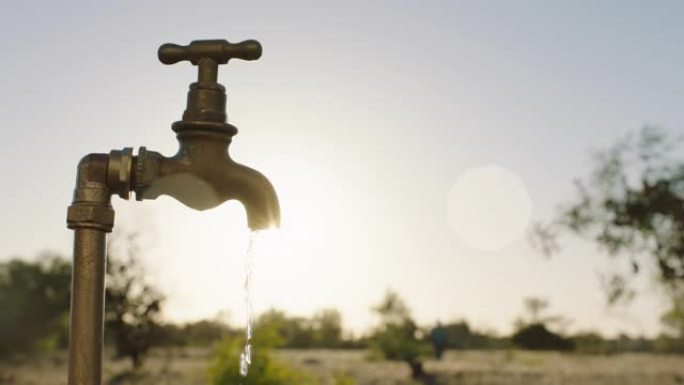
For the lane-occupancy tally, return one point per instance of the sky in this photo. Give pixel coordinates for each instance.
(364, 116)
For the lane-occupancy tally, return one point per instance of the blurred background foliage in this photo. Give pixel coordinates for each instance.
(264, 368)
(34, 296)
(631, 204)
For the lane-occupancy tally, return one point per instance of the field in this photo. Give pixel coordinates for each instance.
(187, 366)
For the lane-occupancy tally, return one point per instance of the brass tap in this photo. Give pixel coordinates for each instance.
(201, 175)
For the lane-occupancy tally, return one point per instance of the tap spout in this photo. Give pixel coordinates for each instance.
(202, 175)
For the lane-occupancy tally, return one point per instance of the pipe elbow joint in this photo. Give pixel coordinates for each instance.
(91, 207)
(91, 178)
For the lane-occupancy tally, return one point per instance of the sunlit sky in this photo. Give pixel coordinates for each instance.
(363, 115)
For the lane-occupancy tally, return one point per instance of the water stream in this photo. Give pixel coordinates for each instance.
(246, 355)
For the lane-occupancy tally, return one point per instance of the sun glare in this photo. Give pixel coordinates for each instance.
(292, 258)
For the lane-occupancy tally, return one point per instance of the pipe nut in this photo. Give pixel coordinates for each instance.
(119, 171)
(97, 216)
(146, 171)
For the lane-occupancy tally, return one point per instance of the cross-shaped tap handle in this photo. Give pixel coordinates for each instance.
(208, 54)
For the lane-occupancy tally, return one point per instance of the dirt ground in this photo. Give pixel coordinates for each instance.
(187, 367)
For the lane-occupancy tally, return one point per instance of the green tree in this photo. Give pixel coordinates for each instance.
(534, 307)
(591, 342)
(397, 337)
(536, 336)
(204, 332)
(323, 330)
(292, 332)
(34, 298)
(631, 205)
(532, 329)
(132, 305)
(327, 328)
(460, 335)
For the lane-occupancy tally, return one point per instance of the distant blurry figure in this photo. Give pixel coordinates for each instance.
(439, 338)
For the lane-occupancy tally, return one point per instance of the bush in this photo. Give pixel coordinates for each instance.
(669, 344)
(264, 370)
(538, 337)
(323, 330)
(593, 343)
(199, 333)
(34, 303)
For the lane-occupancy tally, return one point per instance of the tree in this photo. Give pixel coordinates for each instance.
(537, 337)
(397, 336)
(34, 298)
(459, 335)
(132, 305)
(204, 332)
(534, 307)
(631, 205)
(327, 328)
(323, 330)
(532, 330)
(673, 319)
(291, 332)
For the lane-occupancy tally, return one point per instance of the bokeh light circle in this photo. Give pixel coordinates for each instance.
(489, 207)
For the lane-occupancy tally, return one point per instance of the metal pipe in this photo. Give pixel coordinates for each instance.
(87, 307)
(90, 216)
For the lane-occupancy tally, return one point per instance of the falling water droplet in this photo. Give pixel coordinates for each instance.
(246, 355)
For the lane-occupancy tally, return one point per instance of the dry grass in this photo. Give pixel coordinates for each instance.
(187, 366)
(163, 367)
(500, 367)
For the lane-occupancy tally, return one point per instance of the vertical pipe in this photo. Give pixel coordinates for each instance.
(87, 307)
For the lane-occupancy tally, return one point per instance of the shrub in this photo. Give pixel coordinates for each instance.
(538, 337)
(34, 305)
(264, 370)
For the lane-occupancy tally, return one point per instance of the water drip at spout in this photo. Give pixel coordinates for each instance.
(246, 355)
